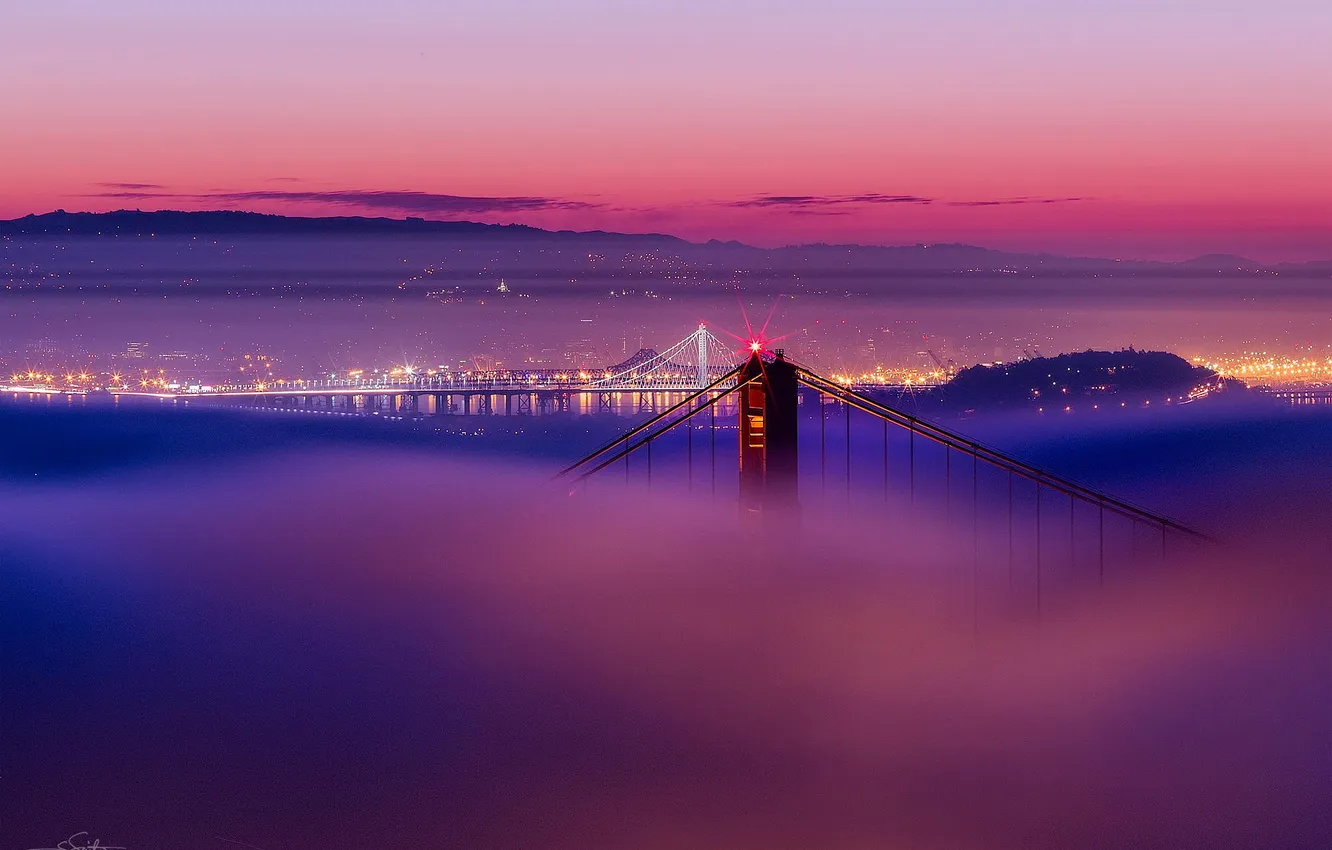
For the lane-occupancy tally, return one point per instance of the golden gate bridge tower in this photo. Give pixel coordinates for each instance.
(769, 445)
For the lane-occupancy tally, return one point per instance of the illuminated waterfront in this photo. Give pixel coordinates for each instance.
(1269, 370)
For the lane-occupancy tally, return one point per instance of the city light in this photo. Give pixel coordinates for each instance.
(1261, 368)
(672, 368)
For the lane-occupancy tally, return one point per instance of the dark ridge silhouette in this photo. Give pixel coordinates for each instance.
(1078, 380)
(239, 223)
(850, 260)
(1223, 262)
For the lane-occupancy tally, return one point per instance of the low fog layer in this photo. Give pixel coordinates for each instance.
(363, 649)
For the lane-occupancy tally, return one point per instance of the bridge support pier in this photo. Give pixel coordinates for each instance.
(769, 459)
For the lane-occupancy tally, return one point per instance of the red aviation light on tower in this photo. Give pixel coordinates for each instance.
(755, 346)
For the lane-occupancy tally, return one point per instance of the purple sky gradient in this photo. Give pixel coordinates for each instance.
(1184, 126)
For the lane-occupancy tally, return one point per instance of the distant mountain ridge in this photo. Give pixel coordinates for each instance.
(948, 258)
(240, 223)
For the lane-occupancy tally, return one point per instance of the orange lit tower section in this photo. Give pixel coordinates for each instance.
(769, 393)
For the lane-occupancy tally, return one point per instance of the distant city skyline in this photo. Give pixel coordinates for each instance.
(1158, 130)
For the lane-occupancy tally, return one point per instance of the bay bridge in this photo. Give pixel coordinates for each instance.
(644, 383)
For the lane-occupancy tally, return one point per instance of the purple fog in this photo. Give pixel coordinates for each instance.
(352, 647)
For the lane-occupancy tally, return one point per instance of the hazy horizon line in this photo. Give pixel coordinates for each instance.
(1039, 252)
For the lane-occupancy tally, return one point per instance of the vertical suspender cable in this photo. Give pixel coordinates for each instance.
(911, 452)
(689, 447)
(1038, 547)
(975, 542)
(948, 483)
(1010, 530)
(712, 432)
(848, 455)
(885, 460)
(823, 446)
(1100, 535)
(1072, 534)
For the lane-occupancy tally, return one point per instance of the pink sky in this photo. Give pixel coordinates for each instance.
(1180, 127)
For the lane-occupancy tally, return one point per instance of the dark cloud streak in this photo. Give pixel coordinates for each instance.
(840, 204)
(406, 200)
(1007, 202)
(806, 202)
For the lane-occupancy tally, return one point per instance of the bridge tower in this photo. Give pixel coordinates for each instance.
(702, 335)
(769, 461)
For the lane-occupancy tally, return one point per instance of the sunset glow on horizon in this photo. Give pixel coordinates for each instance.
(1136, 129)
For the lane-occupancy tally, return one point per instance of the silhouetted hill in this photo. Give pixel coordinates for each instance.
(1222, 262)
(233, 222)
(1078, 380)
